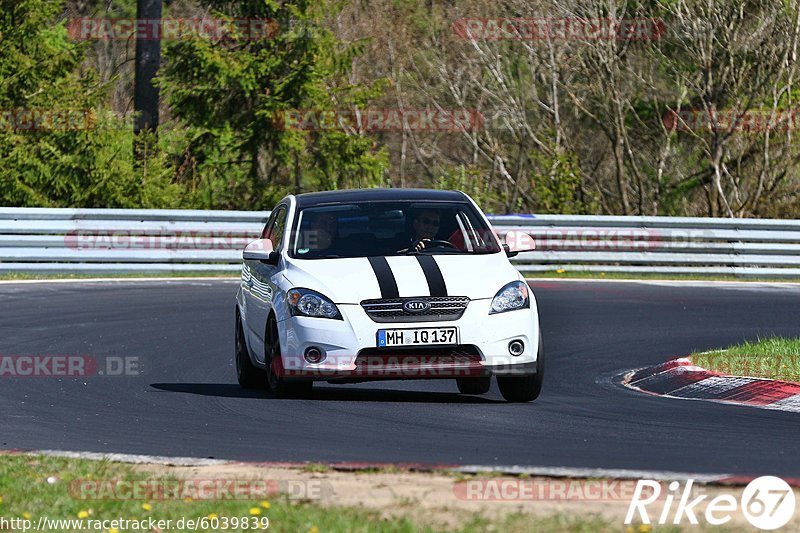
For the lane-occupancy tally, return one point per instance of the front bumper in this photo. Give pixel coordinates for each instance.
(351, 352)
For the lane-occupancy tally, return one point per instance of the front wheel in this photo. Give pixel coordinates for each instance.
(524, 388)
(277, 384)
(247, 374)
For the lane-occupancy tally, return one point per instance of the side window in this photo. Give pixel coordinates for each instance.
(268, 225)
(275, 233)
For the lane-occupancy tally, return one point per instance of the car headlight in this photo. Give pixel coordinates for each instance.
(513, 296)
(305, 302)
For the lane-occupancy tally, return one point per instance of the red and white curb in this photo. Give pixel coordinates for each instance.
(681, 379)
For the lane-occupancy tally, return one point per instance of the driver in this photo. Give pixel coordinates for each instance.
(321, 233)
(424, 226)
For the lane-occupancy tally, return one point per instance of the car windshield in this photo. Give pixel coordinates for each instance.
(390, 228)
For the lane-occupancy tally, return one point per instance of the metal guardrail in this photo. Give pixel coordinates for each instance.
(172, 241)
(122, 241)
(659, 245)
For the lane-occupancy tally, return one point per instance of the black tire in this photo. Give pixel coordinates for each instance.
(278, 386)
(474, 385)
(524, 388)
(248, 375)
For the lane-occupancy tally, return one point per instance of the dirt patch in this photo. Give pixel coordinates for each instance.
(448, 501)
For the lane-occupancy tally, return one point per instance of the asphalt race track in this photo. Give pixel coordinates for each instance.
(187, 402)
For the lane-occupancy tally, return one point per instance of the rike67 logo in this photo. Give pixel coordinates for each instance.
(767, 502)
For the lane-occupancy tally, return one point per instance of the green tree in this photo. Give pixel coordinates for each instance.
(557, 185)
(231, 94)
(58, 145)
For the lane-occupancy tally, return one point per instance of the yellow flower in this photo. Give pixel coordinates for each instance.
(147, 507)
(629, 529)
(113, 530)
(602, 274)
(560, 271)
(265, 505)
(255, 511)
(644, 528)
(212, 516)
(188, 500)
(313, 529)
(26, 515)
(83, 514)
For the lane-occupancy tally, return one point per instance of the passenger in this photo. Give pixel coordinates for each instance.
(321, 233)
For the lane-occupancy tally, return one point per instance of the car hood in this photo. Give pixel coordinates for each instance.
(351, 280)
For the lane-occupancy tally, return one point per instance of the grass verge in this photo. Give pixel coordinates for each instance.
(773, 358)
(41, 486)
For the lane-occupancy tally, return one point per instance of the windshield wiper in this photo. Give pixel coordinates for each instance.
(431, 251)
(456, 252)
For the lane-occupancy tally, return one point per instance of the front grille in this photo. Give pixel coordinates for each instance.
(419, 362)
(465, 352)
(391, 309)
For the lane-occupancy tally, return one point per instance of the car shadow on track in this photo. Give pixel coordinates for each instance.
(220, 390)
(228, 390)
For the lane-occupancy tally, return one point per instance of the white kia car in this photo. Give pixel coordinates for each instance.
(373, 284)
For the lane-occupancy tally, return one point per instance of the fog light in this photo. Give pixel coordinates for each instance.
(516, 348)
(314, 355)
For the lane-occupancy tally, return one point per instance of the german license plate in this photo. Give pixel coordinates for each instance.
(417, 336)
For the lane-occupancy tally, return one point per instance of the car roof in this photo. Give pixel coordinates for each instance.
(377, 195)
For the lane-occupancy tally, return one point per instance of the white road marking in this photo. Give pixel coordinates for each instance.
(658, 475)
(792, 403)
(133, 458)
(715, 385)
(466, 469)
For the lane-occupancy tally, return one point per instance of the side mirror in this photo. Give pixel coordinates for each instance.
(518, 241)
(261, 250)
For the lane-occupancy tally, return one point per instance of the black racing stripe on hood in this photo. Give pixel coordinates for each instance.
(386, 280)
(433, 275)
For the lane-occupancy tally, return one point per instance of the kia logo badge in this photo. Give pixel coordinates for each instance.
(416, 306)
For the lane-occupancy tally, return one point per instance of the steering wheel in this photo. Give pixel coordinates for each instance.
(432, 243)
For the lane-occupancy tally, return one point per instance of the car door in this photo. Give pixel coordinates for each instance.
(246, 281)
(262, 283)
